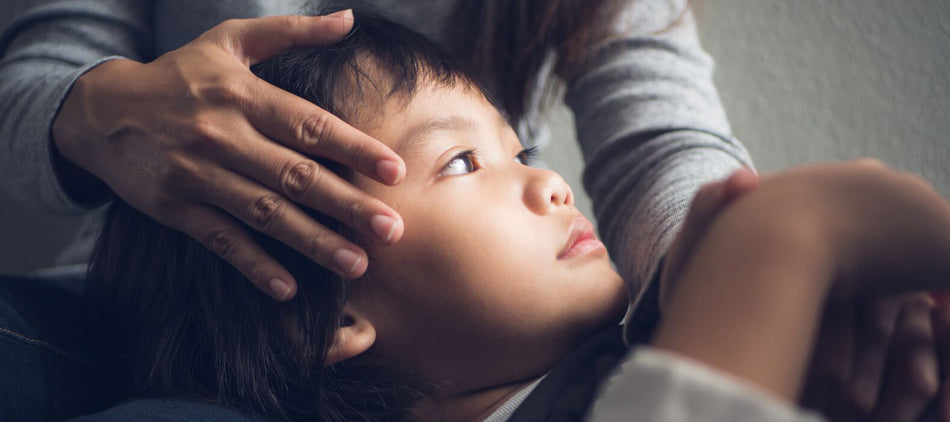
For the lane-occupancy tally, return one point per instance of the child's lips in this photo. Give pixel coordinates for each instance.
(581, 239)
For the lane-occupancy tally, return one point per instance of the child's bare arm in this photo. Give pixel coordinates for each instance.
(749, 298)
(748, 301)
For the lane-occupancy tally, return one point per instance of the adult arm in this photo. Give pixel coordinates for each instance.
(43, 50)
(652, 130)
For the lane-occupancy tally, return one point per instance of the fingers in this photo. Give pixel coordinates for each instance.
(940, 318)
(711, 198)
(738, 183)
(304, 127)
(911, 381)
(255, 40)
(290, 175)
(874, 325)
(832, 359)
(233, 243)
(274, 215)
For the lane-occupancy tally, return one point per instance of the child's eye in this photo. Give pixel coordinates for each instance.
(461, 164)
(527, 156)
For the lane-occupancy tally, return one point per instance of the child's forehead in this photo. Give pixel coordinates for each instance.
(413, 120)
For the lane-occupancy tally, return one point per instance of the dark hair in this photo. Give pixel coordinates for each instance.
(185, 324)
(506, 42)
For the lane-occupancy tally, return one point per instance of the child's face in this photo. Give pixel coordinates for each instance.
(490, 272)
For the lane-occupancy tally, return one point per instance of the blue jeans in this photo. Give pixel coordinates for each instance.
(46, 373)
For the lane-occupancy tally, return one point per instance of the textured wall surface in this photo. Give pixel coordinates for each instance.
(803, 81)
(818, 80)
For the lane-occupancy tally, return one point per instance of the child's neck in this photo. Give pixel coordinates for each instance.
(468, 406)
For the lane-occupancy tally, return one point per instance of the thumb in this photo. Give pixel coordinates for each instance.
(713, 198)
(258, 39)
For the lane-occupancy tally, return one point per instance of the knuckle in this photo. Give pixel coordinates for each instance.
(222, 89)
(178, 173)
(317, 246)
(290, 21)
(229, 25)
(358, 154)
(298, 178)
(314, 131)
(205, 130)
(353, 210)
(265, 211)
(922, 386)
(209, 138)
(252, 271)
(223, 243)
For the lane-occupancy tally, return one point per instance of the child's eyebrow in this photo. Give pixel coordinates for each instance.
(417, 134)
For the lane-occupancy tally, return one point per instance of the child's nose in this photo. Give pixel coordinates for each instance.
(546, 191)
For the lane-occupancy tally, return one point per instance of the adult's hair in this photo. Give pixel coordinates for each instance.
(507, 41)
(185, 324)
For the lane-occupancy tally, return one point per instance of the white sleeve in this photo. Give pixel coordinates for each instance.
(656, 386)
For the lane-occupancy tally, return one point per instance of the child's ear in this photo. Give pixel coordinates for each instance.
(355, 336)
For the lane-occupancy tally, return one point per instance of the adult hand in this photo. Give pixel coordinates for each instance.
(196, 141)
(940, 319)
(876, 360)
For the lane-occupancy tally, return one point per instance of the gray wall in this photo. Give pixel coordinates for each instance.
(803, 81)
(818, 80)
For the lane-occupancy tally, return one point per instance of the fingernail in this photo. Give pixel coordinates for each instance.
(388, 171)
(384, 226)
(279, 289)
(347, 260)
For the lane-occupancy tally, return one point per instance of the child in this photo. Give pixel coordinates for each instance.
(498, 288)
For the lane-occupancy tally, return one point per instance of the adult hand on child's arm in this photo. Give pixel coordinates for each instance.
(749, 299)
(196, 141)
(875, 359)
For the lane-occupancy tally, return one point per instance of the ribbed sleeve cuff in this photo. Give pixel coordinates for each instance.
(48, 185)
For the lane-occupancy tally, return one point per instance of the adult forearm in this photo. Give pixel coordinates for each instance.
(45, 47)
(30, 93)
(749, 300)
(652, 130)
(76, 128)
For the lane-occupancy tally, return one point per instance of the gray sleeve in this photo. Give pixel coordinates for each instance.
(44, 48)
(652, 130)
(655, 386)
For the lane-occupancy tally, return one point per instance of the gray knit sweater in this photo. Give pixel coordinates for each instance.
(649, 120)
